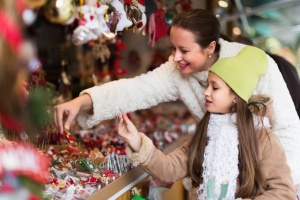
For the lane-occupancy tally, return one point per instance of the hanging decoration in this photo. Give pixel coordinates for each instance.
(100, 50)
(92, 24)
(96, 19)
(123, 21)
(142, 22)
(59, 11)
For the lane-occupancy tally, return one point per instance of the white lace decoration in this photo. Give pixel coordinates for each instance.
(220, 156)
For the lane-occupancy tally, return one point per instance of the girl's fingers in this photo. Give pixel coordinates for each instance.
(124, 115)
(126, 119)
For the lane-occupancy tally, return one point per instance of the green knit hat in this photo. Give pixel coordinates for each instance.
(243, 71)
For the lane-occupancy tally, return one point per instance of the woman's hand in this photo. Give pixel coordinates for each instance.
(128, 132)
(65, 113)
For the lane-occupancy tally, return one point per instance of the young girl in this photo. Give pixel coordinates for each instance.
(233, 153)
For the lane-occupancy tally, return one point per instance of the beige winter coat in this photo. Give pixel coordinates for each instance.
(173, 167)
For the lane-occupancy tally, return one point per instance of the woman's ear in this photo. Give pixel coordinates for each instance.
(211, 47)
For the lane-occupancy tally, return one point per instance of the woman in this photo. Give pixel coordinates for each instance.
(196, 46)
(233, 154)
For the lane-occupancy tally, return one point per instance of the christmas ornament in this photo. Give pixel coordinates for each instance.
(69, 136)
(82, 35)
(88, 13)
(123, 21)
(100, 50)
(59, 11)
(103, 29)
(111, 18)
(142, 22)
(133, 13)
(137, 194)
(92, 23)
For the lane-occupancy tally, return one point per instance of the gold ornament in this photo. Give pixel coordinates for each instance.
(59, 11)
(133, 13)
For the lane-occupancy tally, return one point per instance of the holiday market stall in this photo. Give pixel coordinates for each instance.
(52, 49)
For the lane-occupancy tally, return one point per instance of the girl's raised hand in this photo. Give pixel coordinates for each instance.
(128, 132)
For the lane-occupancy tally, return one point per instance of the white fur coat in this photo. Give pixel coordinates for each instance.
(166, 83)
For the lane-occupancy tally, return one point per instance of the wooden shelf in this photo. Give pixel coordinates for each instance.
(131, 178)
(121, 185)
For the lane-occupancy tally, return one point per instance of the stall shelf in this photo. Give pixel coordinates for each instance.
(131, 178)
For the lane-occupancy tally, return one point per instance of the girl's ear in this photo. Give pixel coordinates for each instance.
(211, 47)
(234, 100)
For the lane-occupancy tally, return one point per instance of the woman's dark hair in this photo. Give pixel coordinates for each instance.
(250, 179)
(203, 24)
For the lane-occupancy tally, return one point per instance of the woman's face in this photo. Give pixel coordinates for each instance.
(219, 98)
(186, 52)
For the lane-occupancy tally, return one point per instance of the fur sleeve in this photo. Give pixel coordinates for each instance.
(128, 95)
(145, 153)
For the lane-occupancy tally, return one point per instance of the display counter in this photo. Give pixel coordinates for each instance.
(130, 179)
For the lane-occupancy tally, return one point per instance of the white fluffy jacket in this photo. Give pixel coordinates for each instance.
(165, 83)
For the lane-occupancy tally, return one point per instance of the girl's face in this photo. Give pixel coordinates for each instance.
(187, 53)
(219, 98)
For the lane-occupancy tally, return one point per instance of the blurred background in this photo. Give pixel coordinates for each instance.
(51, 50)
(272, 25)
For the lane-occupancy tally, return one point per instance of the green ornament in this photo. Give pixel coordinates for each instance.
(138, 197)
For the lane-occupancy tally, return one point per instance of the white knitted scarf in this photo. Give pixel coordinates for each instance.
(221, 155)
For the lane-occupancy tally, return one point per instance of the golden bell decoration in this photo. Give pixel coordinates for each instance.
(59, 11)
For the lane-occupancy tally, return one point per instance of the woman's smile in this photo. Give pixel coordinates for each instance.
(183, 66)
